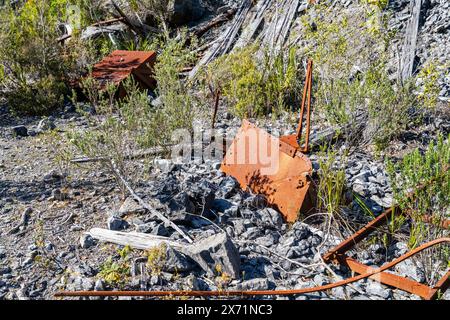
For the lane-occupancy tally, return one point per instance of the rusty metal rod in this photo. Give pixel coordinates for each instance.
(308, 79)
(360, 234)
(216, 107)
(308, 114)
(389, 279)
(440, 287)
(371, 272)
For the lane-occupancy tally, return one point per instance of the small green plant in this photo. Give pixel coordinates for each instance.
(421, 186)
(429, 76)
(222, 279)
(116, 273)
(330, 190)
(381, 4)
(156, 259)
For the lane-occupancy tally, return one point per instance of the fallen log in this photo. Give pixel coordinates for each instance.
(135, 240)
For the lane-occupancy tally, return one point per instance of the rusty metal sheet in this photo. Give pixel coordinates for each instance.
(120, 64)
(259, 162)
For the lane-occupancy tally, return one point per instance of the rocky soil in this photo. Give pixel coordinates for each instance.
(46, 212)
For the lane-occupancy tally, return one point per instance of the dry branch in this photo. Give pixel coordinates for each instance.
(146, 206)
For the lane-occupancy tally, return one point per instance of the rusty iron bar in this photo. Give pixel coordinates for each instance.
(216, 107)
(338, 255)
(306, 95)
(370, 272)
(387, 278)
(360, 235)
(440, 287)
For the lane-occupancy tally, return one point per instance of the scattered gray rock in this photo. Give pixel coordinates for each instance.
(99, 285)
(130, 206)
(53, 176)
(216, 250)
(164, 165)
(408, 269)
(177, 261)
(5, 270)
(377, 289)
(86, 241)
(117, 224)
(26, 215)
(271, 218)
(19, 131)
(58, 195)
(227, 187)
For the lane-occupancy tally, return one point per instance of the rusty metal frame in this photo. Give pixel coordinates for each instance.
(338, 255)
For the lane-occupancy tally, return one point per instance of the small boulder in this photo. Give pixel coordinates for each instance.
(20, 131)
(117, 224)
(216, 250)
(86, 241)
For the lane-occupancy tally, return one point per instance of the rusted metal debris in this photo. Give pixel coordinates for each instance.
(441, 285)
(275, 167)
(121, 64)
(338, 255)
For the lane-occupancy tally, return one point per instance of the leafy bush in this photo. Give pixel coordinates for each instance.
(116, 273)
(255, 86)
(421, 186)
(156, 259)
(34, 64)
(428, 80)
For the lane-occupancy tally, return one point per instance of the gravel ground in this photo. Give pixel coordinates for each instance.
(46, 212)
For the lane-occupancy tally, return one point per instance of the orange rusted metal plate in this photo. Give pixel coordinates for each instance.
(120, 64)
(270, 166)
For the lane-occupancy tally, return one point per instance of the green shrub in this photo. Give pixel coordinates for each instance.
(331, 187)
(116, 272)
(157, 259)
(122, 127)
(34, 65)
(429, 94)
(421, 186)
(255, 85)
